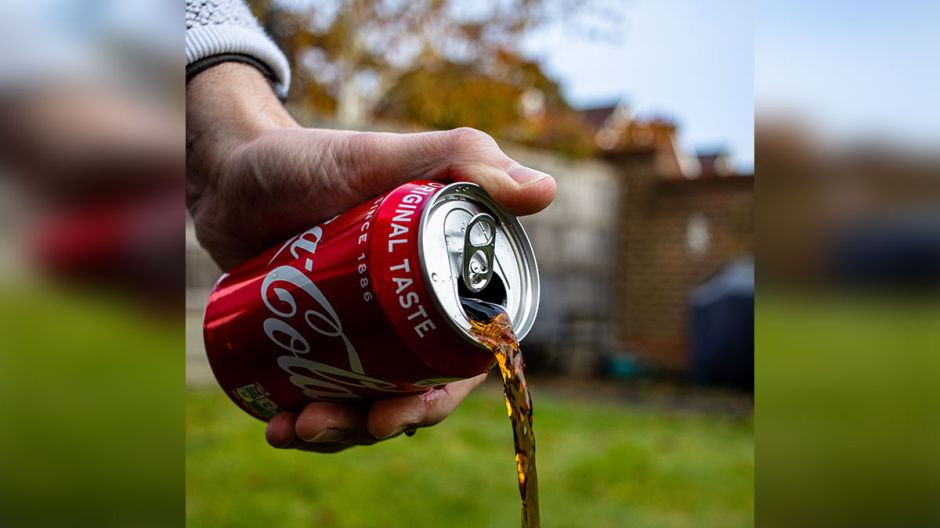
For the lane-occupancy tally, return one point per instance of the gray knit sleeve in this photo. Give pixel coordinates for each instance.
(215, 27)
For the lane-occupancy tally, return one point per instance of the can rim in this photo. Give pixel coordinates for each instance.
(526, 254)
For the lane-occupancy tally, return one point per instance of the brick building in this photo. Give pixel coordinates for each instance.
(681, 219)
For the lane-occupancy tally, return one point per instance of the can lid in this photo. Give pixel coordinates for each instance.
(471, 248)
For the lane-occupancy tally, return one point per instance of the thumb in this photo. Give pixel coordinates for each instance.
(385, 161)
(295, 178)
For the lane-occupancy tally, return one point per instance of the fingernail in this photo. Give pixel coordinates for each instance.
(330, 434)
(525, 176)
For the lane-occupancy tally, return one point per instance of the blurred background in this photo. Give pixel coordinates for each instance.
(644, 112)
(848, 124)
(641, 361)
(91, 263)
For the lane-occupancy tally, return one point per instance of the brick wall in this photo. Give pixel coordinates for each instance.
(674, 233)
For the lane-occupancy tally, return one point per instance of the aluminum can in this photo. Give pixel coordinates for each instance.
(367, 305)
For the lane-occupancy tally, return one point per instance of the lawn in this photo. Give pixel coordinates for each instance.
(601, 464)
(93, 390)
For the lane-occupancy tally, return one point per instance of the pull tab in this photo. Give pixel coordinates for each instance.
(478, 244)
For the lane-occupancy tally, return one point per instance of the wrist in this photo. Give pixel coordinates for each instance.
(227, 105)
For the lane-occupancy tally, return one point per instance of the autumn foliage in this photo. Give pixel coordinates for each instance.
(428, 64)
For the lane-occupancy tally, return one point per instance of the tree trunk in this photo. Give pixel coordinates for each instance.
(350, 110)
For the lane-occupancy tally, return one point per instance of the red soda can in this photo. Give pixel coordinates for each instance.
(367, 305)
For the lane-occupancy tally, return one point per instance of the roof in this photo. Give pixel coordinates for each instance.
(714, 164)
(596, 117)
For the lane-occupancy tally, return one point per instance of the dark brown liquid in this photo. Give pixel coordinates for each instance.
(493, 329)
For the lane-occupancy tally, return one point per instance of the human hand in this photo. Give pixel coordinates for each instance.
(255, 178)
(330, 427)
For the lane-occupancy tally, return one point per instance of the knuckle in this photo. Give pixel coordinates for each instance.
(466, 137)
(436, 410)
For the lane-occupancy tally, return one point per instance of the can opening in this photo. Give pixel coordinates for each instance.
(493, 293)
(472, 250)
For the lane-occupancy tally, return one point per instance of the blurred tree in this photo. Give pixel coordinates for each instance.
(521, 103)
(438, 63)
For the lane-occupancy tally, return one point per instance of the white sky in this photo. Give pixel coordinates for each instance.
(857, 68)
(689, 60)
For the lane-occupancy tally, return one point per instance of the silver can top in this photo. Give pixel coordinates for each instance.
(471, 248)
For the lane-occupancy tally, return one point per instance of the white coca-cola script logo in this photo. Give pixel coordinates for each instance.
(318, 380)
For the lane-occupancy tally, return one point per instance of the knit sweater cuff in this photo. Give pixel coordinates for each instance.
(206, 41)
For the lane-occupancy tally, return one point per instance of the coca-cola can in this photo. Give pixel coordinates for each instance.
(367, 305)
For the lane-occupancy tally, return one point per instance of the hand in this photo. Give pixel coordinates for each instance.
(330, 427)
(255, 178)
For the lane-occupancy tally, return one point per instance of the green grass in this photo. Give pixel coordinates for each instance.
(600, 465)
(94, 391)
(848, 422)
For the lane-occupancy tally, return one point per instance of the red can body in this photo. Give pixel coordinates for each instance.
(340, 312)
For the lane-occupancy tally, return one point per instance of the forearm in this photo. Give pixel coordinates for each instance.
(226, 106)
